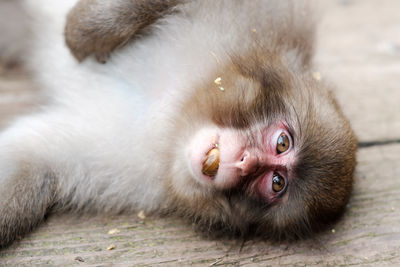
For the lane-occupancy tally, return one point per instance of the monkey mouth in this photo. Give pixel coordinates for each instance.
(214, 158)
(204, 155)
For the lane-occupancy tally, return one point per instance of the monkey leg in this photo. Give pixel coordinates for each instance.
(40, 167)
(27, 187)
(25, 198)
(63, 160)
(99, 26)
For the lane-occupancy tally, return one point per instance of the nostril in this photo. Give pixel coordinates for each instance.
(248, 164)
(245, 156)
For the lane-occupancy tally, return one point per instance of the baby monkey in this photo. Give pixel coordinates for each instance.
(206, 109)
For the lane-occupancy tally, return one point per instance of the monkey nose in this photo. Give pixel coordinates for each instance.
(248, 164)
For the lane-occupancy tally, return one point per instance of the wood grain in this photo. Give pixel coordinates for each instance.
(359, 49)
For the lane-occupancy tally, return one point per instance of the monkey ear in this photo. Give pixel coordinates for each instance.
(99, 26)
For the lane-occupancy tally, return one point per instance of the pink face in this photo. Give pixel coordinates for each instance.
(266, 159)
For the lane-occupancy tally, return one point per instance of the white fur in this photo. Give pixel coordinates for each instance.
(104, 126)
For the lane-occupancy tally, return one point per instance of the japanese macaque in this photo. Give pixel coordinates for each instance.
(204, 109)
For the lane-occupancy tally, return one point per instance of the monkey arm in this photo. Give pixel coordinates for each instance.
(99, 26)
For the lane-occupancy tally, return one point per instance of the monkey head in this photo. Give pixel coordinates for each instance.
(271, 153)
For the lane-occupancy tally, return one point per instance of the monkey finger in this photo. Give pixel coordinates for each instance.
(102, 56)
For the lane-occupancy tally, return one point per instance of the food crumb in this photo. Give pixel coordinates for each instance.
(218, 81)
(221, 88)
(111, 247)
(141, 215)
(333, 231)
(317, 76)
(113, 231)
(78, 258)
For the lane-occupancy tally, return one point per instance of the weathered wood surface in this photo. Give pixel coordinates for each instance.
(359, 50)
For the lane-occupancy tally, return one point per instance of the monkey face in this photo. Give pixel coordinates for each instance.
(271, 154)
(222, 157)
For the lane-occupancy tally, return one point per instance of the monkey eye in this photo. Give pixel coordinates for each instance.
(278, 183)
(283, 143)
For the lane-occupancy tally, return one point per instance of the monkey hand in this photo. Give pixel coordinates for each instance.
(91, 30)
(83, 42)
(99, 26)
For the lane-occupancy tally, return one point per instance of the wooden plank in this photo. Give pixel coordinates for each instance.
(359, 51)
(18, 96)
(368, 234)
